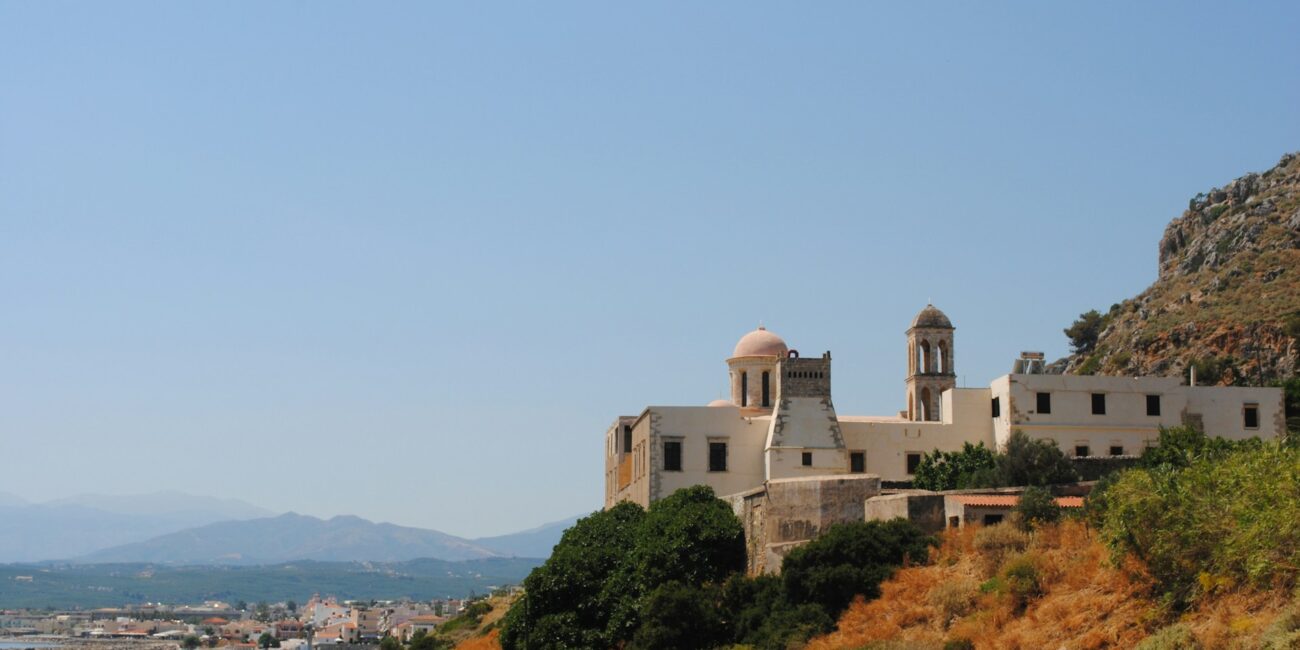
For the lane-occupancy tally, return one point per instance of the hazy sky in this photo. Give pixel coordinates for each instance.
(408, 260)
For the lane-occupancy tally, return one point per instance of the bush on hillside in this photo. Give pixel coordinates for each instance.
(1037, 506)
(1084, 332)
(1219, 521)
(851, 559)
(1024, 462)
(1179, 446)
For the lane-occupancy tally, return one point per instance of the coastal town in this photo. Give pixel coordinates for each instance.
(321, 621)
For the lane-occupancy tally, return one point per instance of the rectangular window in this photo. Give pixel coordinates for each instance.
(1081, 451)
(913, 460)
(1250, 416)
(807, 459)
(1099, 403)
(672, 455)
(1116, 450)
(1153, 405)
(992, 520)
(997, 407)
(627, 439)
(717, 456)
(858, 462)
(1044, 403)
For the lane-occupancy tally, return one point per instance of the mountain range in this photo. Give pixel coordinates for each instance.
(180, 529)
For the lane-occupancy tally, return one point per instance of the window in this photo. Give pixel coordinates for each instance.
(744, 389)
(954, 522)
(767, 389)
(1044, 403)
(807, 459)
(997, 407)
(1250, 416)
(672, 455)
(913, 460)
(717, 456)
(1153, 405)
(992, 520)
(1116, 450)
(858, 462)
(627, 439)
(1081, 451)
(1099, 403)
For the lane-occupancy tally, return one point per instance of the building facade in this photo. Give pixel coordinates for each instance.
(781, 422)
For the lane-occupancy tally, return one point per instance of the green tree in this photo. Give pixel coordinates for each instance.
(190, 642)
(423, 641)
(1180, 446)
(1036, 506)
(267, 640)
(568, 600)
(1083, 333)
(676, 615)
(950, 470)
(241, 605)
(1034, 462)
(850, 559)
(292, 606)
(390, 643)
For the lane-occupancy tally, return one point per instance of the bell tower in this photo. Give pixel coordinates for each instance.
(929, 364)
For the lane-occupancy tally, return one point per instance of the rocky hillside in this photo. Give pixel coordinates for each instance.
(1227, 299)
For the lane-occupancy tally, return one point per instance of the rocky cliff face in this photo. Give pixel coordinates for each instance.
(1228, 296)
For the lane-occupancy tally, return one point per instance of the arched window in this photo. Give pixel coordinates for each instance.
(767, 390)
(923, 405)
(945, 361)
(923, 358)
(744, 389)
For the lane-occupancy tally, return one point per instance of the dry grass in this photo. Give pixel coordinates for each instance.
(1085, 602)
(488, 642)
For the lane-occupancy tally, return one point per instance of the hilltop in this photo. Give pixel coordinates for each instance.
(1227, 298)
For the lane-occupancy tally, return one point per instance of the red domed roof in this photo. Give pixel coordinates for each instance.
(760, 343)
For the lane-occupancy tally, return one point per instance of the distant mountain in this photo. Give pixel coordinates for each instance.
(535, 542)
(64, 586)
(293, 537)
(167, 502)
(31, 532)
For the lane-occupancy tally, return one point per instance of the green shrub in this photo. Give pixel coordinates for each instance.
(959, 644)
(949, 470)
(953, 599)
(675, 615)
(1083, 332)
(1036, 506)
(1221, 519)
(1284, 633)
(1021, 579)
(851, 559)
(1034, 462)
(1090, 366)
(996, 543)
(1174, 637)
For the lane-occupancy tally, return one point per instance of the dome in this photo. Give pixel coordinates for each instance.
(760, 343)
(932, 317)
(721, 402)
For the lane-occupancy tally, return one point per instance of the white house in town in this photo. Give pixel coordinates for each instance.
(781, 423)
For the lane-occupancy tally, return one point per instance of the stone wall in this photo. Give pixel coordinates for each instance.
(788, 512)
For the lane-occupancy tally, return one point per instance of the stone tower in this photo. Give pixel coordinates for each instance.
(929, 364)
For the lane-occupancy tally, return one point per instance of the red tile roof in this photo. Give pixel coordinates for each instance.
(1010, 501)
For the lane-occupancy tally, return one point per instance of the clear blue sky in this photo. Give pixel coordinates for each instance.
(408, 260)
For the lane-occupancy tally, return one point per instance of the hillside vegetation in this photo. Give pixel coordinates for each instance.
(1227, 299)
(1199, 548)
